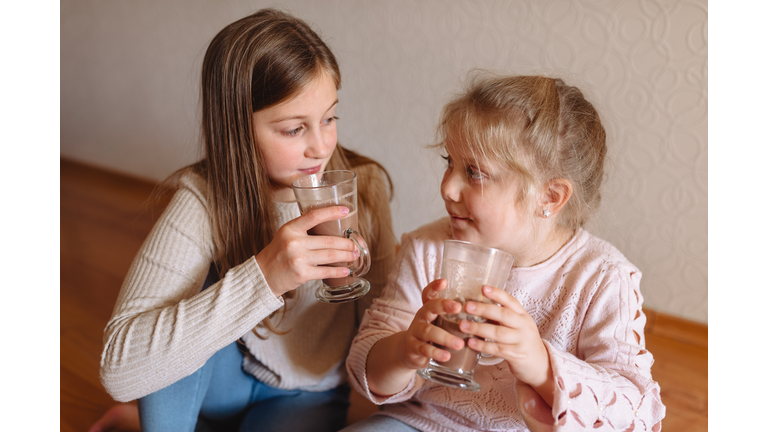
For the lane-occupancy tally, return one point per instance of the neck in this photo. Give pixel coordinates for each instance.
(552, 240)
(283, 195)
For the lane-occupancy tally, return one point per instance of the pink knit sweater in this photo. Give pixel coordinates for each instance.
(586, 302)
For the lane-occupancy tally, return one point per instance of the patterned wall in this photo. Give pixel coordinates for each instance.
(129, 73)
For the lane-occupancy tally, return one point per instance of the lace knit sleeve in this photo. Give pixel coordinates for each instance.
(392, 313)
(608, 384)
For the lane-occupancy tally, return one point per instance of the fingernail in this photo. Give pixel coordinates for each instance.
(469, 307)
(344, 210)
(487, 289)
(357, 253)
(346, 272)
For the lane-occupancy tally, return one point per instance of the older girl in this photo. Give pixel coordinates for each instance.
(217, 319)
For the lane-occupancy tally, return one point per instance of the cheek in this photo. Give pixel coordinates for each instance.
(444, 192)
(490, 215)
(279, 161)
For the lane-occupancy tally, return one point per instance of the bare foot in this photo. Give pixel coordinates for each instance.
(121, 417)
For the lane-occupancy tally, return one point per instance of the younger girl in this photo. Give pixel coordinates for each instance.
(217, 317)
(524, 165)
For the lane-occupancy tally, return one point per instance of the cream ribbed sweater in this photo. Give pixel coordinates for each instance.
(163, 328)
(587, 305)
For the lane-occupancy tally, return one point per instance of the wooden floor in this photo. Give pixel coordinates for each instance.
(104, 219)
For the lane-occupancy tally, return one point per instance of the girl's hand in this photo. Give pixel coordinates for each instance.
(415, 347)
(393, 360)
(431, 291)
(293, 257)
(515, 339)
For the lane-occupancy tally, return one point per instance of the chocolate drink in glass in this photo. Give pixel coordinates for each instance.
(336, 228)
(466, 267)
(328, 189)
(466, 282)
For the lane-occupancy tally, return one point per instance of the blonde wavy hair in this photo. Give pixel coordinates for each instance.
(538, 127)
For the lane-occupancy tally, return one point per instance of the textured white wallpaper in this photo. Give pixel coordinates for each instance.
(129, 76)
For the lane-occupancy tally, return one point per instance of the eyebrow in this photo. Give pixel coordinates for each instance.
(282, 119)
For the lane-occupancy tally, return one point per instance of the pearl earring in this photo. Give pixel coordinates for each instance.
(546, 213)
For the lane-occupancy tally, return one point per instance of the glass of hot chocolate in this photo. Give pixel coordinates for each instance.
(466, 267)
(336, 188)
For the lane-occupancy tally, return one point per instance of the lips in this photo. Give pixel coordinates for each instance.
(310, 170)
(456, 217)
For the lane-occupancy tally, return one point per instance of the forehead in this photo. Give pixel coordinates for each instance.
(462, 153)
(317, 96)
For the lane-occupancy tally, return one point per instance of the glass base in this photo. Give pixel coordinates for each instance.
(343, 294)
(448, 377)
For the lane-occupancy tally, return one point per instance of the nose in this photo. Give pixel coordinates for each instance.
(320, 144)
(450, 188)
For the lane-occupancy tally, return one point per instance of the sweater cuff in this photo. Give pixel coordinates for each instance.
(262, 293)
(356, 366)
(588, 396)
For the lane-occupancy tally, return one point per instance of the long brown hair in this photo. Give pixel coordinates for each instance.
(254, 63)
(540, 128)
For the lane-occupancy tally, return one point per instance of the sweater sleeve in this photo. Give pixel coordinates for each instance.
(608, 385)
(163, 328)
(391, 313)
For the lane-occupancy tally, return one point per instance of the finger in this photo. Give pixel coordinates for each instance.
(492, 312)
(498, 333)
(422, 352)
(432, 290)
(307, 221)
(434, 308)
(325, 272)
(503, 298)
(493, 348)
(329, 242)
(437, 335)
(433, 352)
(330, 256)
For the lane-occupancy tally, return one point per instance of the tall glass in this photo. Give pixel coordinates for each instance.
(336, 188)
(466, 267)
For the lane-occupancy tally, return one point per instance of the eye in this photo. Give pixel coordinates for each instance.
(474, 173)
(293, 132)
(330, 120)
(448, 161)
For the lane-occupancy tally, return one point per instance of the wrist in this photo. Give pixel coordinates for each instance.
(263, 264)
(545, 385)
(386, 371)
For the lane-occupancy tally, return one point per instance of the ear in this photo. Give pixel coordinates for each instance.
(556, 194)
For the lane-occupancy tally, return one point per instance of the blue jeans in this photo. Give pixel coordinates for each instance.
(379, 423)
(225, 398)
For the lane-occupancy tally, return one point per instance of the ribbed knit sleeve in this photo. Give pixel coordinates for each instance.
(163, 328)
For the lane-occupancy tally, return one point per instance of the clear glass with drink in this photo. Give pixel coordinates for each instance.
(336, 188)
(466, 267)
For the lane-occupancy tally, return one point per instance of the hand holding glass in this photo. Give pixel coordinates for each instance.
(466, 267)
(336, 188)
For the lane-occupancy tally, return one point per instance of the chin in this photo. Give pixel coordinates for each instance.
(462, 235)
(471, 237)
